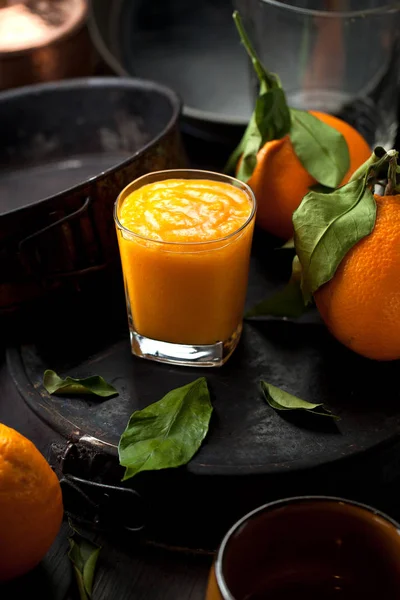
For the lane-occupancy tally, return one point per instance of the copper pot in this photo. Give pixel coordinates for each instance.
(43, 40)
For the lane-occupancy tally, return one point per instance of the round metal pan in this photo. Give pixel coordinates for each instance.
(196, 52)
(67, 149)
(44, 41)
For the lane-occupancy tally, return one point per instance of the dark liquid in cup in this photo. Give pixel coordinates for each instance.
(310, 586)
(314, 551)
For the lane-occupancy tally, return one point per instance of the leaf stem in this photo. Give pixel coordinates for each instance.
(377, 155)
(374, 171)
(264, 77)
(381, 165)
(391, 186)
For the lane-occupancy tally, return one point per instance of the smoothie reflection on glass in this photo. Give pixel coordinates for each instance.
(185, 239)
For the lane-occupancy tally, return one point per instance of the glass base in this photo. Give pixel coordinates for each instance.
(189, 355)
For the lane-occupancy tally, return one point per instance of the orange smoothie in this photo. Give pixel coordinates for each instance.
(185, 249)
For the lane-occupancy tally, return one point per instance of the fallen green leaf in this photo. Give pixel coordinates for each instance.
(287, 302)
(321, 149)
(167, 433)
(95, 385)
(83, 554)
(270, 119)
(280, 400)
(289, 245)
(326, 227)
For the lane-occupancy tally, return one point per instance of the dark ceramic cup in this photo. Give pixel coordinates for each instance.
(309, 548)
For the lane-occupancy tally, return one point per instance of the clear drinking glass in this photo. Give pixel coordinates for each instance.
(314, 548)
(185, 300)
(335, 56)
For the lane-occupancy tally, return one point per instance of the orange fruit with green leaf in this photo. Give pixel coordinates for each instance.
(31, 507)
(280, 181)
(349, 255)
(284, 152)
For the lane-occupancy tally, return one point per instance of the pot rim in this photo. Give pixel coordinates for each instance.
(98, 81)
(336, 14)
(280, 503)
(50, 42)
(197, 114)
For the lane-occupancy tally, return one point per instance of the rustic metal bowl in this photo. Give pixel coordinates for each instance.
(67, 150)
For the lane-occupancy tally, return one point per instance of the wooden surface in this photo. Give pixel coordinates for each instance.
(139, 573)
(125, 570)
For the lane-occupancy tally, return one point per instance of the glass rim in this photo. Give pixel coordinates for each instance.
(222, 585)
(204, 243)
(316, 12)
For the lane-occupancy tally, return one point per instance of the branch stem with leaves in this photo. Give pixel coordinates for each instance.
(328, 225)
(321, 149)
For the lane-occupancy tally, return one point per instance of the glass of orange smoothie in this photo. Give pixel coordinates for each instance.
(185, 238)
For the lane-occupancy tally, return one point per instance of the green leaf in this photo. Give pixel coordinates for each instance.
(167, 433)
(321, 189)
(83, 554)
(270, 119)
(268, 122)
(280, 400)
(321, 149)
(94, 385)
(285, 303)
(289, 245)
(327, 226)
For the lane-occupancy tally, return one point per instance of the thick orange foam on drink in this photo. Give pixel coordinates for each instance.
(182, 210)
(186, 259)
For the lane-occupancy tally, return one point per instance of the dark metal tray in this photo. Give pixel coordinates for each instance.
(252, 454)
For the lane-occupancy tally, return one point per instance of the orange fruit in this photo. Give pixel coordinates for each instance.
(361, 303)
(31, 507)
(280, 181)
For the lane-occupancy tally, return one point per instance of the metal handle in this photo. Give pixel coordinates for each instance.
(103, 506)
(30, 256)
(77, 213)
(86, 500)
